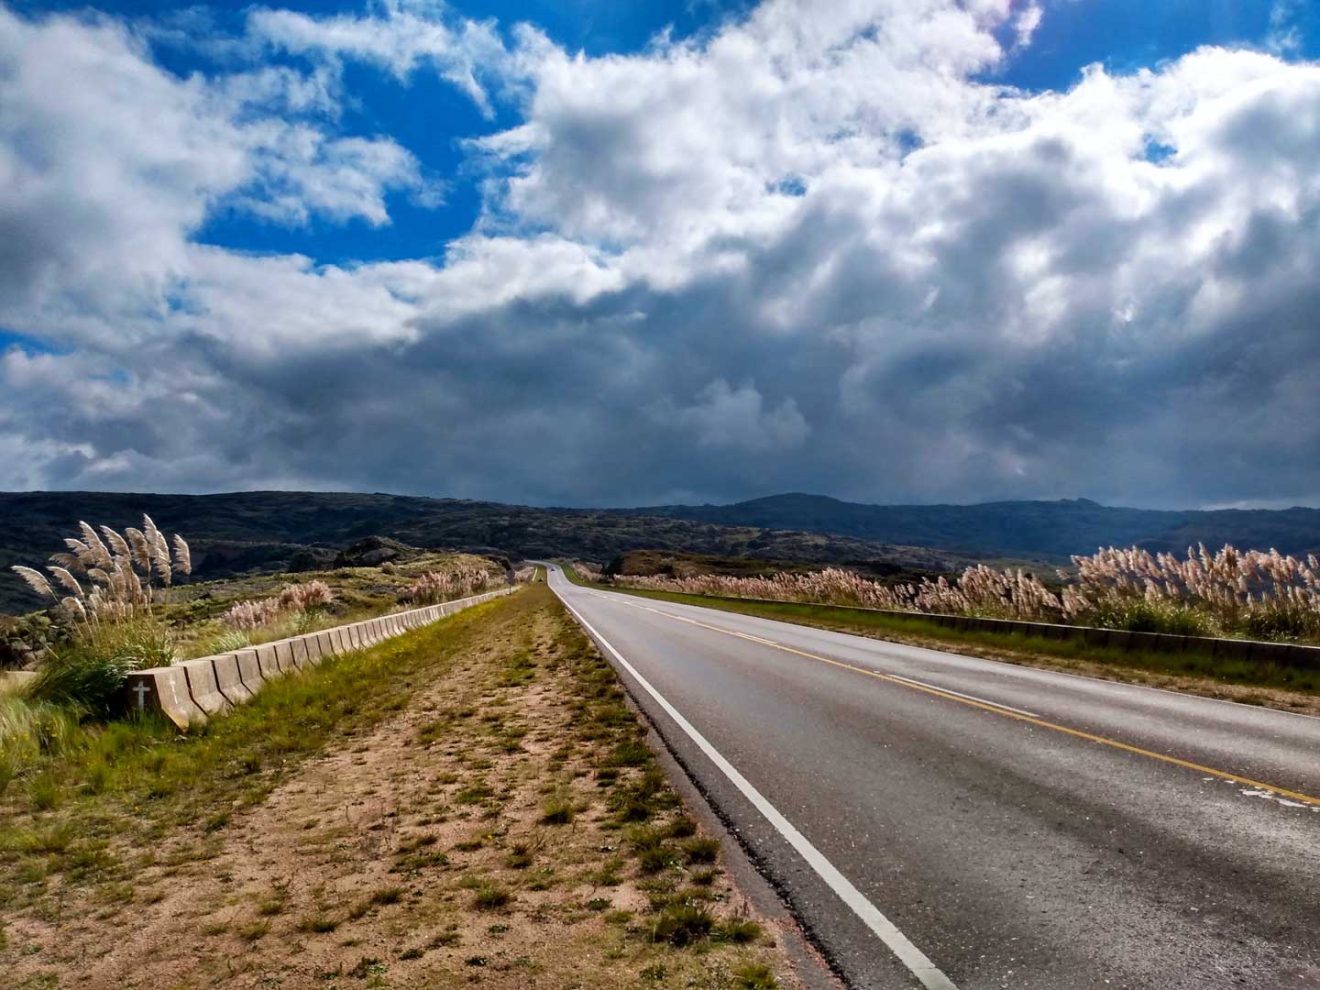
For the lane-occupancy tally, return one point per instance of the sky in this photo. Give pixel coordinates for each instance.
(582, 252)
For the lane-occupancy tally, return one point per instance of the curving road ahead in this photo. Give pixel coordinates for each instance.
(941, 821)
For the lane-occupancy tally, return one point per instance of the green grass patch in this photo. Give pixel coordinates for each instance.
(490, 896)
(755, 976)
(558, 810)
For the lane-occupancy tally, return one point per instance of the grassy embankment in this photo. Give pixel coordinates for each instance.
(468, 803)
(1274, 685)
(195, 610)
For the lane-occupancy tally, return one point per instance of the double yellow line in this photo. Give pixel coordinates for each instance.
(1006, 712)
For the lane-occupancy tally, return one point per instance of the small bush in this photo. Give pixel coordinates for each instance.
(490, 896)
(30, 730)
(740, 931)
(701, 850)
(254, 931)
(318, 924)
(558, 811)
(90, 671)
(755, 976)
(682, 924)
(681, 827)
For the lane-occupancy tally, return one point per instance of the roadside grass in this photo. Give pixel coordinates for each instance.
(360, 593)
(133, 781)
(1195, 672)
(484, 808)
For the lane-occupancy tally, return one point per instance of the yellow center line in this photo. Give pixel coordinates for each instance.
(1005, 712)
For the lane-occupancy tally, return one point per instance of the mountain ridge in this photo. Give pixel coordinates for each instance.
(1027, 528)
(235, 532)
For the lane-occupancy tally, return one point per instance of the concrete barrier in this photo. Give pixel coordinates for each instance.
(164, 690)
(203, 688)
(295, 654)
(228, 678)
(249, 669)
(268, 659)
(284, 651)
(190, 692)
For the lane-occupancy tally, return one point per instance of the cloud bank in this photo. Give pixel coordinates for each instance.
(813, 249)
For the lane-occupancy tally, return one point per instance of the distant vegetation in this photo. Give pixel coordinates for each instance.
(665, 563)
(279, 532)
(303, 532)
(115, 605)
(1232, 592)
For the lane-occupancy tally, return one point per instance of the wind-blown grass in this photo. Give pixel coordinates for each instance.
(1256, 594)
(111, 584)
(440, 586)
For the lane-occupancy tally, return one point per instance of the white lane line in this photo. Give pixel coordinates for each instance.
(908, 954)
(894, 677)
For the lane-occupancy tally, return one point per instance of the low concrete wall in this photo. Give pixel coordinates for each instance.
(190, 692)
(204, 687)
(230, 679)
(1285, 654)
(165, 690)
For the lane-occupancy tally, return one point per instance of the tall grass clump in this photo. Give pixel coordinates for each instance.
(106, 585)
(441, 586)
(32, 729)
(1248, 593)
(293, 601)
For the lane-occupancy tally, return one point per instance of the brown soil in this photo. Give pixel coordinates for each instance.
(419, 854)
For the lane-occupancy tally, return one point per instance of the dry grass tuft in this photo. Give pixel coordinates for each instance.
(1251, 593)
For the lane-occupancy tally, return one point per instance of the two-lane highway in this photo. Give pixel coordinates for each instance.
(942, 821)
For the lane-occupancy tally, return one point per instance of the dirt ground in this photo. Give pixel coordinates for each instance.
(506, 828)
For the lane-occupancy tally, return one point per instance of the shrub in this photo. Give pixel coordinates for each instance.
(111, 585)
(30, 730)
(293, 600)
(682, 924)
(90, 671)
(439, 586)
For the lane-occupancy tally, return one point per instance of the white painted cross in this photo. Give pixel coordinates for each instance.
(141, 690)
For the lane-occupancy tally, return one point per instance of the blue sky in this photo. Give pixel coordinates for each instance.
(653, 251)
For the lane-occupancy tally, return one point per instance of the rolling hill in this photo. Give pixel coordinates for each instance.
(1052, 530)
(267, 531)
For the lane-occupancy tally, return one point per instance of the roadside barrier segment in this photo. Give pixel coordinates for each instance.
(192, 691)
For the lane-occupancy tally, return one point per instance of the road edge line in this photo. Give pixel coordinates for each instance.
(916, 961)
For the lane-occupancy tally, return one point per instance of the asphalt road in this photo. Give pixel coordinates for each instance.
(941, 821)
